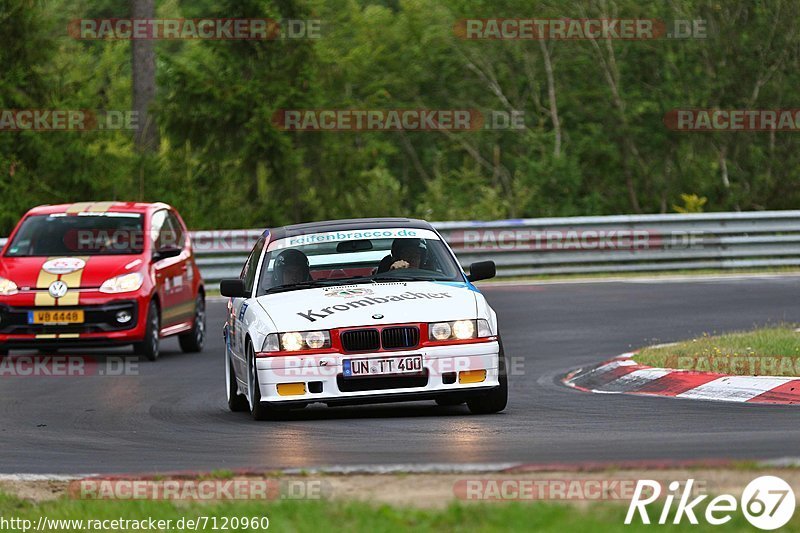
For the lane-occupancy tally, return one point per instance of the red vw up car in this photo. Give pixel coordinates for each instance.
(100, 274)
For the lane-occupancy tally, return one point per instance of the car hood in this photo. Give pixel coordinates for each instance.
(80, 271)
(368, 304)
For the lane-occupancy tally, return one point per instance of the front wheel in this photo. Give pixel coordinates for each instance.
(236, 402)
(449, 401)
(192, 341)
(149, 346)
(258, 409)
(496, 400)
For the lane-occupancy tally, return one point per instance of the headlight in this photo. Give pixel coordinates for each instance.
(7, 287)
(464, 329)
(271, 343)
(293, 341)
(459, 330)
(316, 339)
(125, 283)
(441, 331)
(483, 328)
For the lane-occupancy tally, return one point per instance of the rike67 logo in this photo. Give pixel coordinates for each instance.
(767, 502)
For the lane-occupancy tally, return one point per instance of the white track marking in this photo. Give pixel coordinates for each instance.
(43, 477)
(734, 388)
(645, 374)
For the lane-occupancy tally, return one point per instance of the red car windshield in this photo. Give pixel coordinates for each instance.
(81, 234)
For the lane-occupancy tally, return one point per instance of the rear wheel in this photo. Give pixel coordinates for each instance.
(236, 402)
(149, 346)
(496, 400)
(192, 341)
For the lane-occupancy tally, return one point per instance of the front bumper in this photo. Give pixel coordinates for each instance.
(323, 381)
(99, 328)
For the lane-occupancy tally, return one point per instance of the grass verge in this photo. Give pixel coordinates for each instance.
(772, 351)
(351, 516)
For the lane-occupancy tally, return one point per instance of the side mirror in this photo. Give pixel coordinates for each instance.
(166, 253)
(233, 288)
(482, 270)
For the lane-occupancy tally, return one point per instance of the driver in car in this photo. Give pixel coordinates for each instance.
(291, 266)
(407, 253)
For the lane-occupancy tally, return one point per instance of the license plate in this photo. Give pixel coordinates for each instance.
(55, 317)
(407, 364)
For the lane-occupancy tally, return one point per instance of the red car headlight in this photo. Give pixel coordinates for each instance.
(7, 287)
(124, 283)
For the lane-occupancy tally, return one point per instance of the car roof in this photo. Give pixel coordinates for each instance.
(97, 207)
(347, 225)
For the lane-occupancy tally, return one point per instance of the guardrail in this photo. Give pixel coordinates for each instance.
(604, 244)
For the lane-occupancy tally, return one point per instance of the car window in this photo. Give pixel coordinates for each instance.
(157, 223)
(359, 255)
(251, 265)
(177, 236)
(165, 231)
(79, 234)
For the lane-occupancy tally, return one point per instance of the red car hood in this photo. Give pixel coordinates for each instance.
(81, 271)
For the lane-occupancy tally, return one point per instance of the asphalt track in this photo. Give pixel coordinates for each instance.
(173, 416)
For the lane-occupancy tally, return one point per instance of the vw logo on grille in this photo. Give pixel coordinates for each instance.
(58, 289)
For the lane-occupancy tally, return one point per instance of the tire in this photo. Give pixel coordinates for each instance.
(258, 409)
(447, 401)
(496, 400)
(149, 346)
(192, 341)
(236, 402)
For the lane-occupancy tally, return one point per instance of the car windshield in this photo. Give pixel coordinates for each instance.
(362, 256)
(80, 234)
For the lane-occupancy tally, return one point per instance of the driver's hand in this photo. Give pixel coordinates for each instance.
(399, 264)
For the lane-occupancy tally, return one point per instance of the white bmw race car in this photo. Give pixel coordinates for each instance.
(360, 311)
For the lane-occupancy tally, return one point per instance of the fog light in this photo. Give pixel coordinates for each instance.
(472, 376)
(123, 317)
(291, 389)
